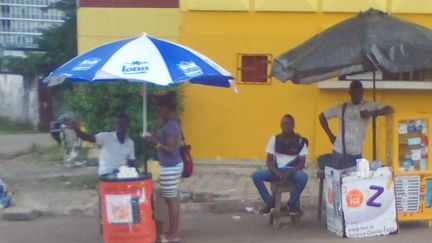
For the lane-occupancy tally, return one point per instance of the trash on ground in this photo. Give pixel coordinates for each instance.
(250, 209)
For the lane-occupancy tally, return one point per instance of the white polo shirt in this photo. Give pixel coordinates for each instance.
(113, 153)
(284, 160)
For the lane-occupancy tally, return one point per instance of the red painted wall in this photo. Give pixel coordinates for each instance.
(130, 3)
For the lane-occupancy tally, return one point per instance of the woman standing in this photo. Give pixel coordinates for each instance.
(167, 141)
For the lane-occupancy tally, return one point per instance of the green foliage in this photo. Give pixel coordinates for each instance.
(47, 155)
(98, 103)
(8, 126)
(58, 44)
(80, 182)
(28, 66)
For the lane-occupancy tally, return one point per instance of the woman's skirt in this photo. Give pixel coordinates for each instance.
(170, 180)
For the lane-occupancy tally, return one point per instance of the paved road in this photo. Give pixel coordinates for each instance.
(13, 143)
(51, 230)
(196, 228)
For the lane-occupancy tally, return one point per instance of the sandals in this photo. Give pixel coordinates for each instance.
(162, 239)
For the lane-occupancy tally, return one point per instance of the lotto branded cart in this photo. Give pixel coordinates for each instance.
(127, 210)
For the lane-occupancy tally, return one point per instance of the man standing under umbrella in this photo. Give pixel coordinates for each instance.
(117, 148)
(354, 119)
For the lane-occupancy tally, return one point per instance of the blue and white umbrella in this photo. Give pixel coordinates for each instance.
(142, 59)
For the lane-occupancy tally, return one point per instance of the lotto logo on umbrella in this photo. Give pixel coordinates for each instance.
(135, 67)
(86, 64)
(190, 69)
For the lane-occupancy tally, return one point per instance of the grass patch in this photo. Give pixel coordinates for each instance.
(83, 182)
(93, 162)
(8, 126)
(49, 155)
(54, 155)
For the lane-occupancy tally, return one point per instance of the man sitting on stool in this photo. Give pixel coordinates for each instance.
(286, 157)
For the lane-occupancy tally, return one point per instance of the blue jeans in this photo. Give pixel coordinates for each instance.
(299, 178)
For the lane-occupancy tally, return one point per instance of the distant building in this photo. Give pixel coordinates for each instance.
(21, 22)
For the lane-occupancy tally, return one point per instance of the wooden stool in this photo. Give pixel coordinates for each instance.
(321, 175)
(277, 188)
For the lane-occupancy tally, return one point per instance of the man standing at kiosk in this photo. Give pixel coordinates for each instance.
(117, 148)
(354, 117)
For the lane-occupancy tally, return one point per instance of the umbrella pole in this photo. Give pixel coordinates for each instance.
(374, 154)
(144, 95)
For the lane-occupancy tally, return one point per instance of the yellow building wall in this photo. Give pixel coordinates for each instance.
(100, 25)
(220, 123)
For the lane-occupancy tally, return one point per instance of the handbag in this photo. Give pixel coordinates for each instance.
(186, 155)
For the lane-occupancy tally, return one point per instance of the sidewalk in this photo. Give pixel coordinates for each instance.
(215, 186)
(218, 186)
(222, 186)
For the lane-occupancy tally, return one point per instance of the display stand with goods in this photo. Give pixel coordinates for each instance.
(360, 204)
(408, 153)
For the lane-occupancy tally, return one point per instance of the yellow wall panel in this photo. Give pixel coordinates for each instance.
(286, 5)
(99, 25)
(352, 5)
(411, 6)
(218, 5)
(224, 124)
(184, 5)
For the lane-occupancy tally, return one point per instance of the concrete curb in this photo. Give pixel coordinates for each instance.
(205, 206)
(234, 206)
(20, 214)
(88, 211)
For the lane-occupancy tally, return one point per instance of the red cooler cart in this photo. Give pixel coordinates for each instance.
(127, 210)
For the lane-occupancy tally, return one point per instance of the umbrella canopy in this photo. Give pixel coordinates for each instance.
(371, 41)
(142, 59)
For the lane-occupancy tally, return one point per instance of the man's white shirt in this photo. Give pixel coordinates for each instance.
(283, 160)
(113, 153)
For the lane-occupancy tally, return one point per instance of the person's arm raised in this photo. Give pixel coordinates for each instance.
(386, 110)
(84, 136)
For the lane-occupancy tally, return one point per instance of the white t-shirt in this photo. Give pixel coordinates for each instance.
(283, 160)
(113, 153)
